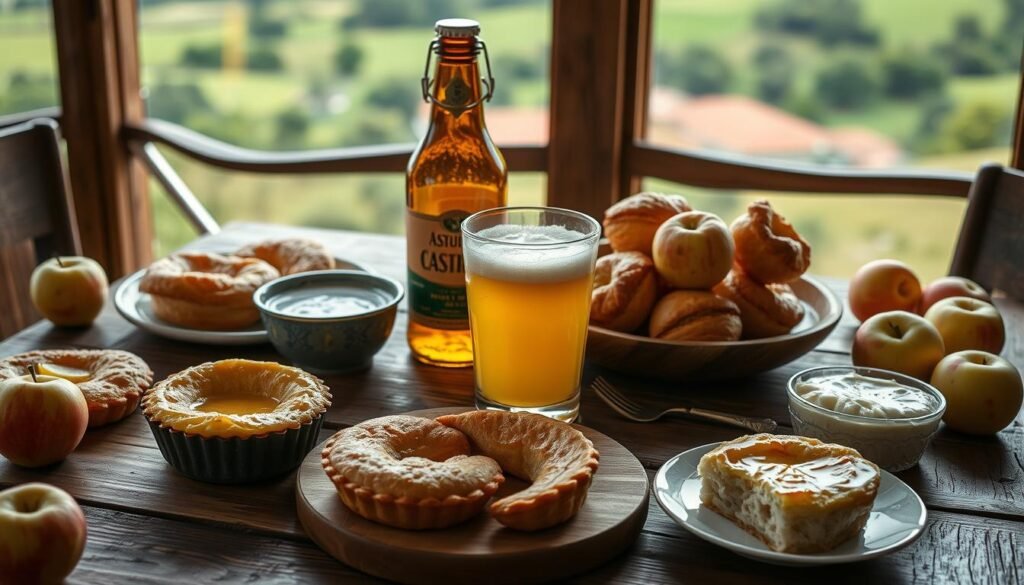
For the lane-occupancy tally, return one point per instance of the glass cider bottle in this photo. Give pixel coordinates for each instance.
(454, 172)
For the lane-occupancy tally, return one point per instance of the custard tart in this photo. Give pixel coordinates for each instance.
(111, 380)
(236, 421)
(796, 494)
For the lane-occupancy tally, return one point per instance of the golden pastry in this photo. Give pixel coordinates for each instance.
(630, 224)
(798, 495)
(206, 291)
(766, 310)
(290, 255)
(409, 472)
(768, 248)
(695, 315)
(555, 457)
(625, 288)
(236, 421)
(111, 380)
(693, 250)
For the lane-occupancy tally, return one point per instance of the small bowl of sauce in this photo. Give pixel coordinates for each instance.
(887, 416)
(329, 321)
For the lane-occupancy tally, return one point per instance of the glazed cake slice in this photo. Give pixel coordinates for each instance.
(798, 495)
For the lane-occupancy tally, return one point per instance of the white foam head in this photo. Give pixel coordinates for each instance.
(530, 253)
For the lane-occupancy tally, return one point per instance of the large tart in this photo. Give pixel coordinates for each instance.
(796, 494)
(236, 421)
(555, 457)
(111, 380)
(409, 472)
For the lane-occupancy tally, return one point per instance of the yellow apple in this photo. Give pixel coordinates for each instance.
(69, 290)
(42, 419)
(883, 285)
(693, 250)
(42, 534)
(983, 391)
(898, 341)
(967, 323)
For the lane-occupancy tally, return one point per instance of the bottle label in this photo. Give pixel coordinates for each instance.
(437, 277)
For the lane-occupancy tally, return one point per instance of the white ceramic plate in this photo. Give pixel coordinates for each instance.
(134, 305)
(896, 520)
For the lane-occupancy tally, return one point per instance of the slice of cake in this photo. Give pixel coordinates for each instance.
(798, 495)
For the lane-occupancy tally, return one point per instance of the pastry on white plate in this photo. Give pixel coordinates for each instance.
(796, 494)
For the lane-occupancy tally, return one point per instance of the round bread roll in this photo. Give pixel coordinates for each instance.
(693, 250)
(625, 288)
(695, 315)
(766, 310)
(768, 248)
(630, 224)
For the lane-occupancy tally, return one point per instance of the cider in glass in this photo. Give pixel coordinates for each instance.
(529, 275)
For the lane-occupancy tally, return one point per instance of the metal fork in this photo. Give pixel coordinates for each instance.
(640, 413)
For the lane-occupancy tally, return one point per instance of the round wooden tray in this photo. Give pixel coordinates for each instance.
(681, 361)
(482, 550)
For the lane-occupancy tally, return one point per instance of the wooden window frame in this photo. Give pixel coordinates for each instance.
(596, 154)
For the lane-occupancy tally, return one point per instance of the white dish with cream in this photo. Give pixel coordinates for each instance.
(889, 417)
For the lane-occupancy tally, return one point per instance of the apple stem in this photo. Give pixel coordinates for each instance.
(32, 371)
(59, 261)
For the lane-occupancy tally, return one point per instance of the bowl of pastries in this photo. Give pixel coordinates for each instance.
(680, 295)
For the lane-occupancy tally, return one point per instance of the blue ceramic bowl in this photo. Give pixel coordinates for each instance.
(329, 321)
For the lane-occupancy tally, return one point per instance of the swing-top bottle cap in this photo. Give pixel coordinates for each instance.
(457, 27)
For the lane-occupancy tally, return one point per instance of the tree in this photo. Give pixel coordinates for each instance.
(290, 128)
(263, 59)
(774, 72)
(396, 94)
(971, 52)
(203, 56)
(175, 102)
(910, 74)
(978, 125)
(848, 82)
(829, 22)
(348, 59)
(700, 70)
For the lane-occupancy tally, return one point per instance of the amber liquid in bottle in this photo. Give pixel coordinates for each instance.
(454, 172)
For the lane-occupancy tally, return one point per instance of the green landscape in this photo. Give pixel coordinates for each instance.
(939, 78)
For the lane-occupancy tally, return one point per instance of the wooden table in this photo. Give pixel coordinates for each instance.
(149, 524)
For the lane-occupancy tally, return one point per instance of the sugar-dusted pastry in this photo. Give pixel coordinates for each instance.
(768, 248)
(695, 315)
(206, 291)
(555, 457)
(625, 288)
(409, 472)
(111, 380)
(630, 224)
(290, 255)
(766, 310)
(798, 495)
(236, 420)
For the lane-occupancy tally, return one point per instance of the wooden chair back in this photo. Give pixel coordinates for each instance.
(990, 249)
(37, 216)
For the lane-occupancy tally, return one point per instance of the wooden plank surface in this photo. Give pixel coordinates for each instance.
(974, 487)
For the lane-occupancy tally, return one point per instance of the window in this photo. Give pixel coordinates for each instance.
(307, 74)
(28, 79)
(861, 84)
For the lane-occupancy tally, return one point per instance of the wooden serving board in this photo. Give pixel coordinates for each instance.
(482, 550)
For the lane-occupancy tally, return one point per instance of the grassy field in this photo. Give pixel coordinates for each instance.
(845, 231)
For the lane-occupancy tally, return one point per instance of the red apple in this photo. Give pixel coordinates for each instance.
(693, 250)
(967, 323)
(69, 290)
(42, 419)
(983, 391)
(898, 341)
(42, 534)
(951, 286)
(884, 285)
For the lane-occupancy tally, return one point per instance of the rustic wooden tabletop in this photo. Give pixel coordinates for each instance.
(149, 524)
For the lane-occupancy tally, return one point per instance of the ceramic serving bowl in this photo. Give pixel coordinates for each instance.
(329, 321)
